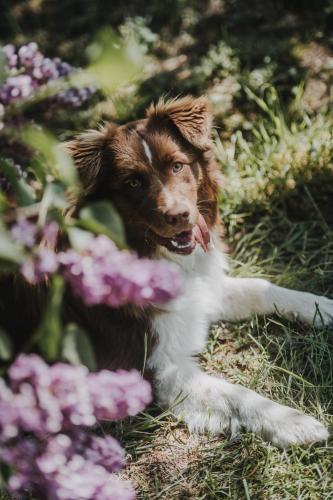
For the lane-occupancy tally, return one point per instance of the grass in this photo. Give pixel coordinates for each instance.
(276, 206)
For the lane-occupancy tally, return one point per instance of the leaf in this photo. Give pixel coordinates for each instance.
(24, 193)
(102, 218)
(8, 250)
(50, 331)
(57, 161)
(76, 347)
(78, 238)
(6, 346)
(114, 62)
(53, 197)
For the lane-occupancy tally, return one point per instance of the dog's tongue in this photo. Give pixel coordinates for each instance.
(201, 233)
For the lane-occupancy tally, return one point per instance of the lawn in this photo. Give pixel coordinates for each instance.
(267, 68)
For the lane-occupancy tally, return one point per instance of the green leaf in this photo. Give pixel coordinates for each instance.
(79, 238)
(53, 197)
(114, 62)
(8, 249)
(6, 346)
(76, 347)
(24, 193)
(57, 161)
(102, 218)
(50, 331)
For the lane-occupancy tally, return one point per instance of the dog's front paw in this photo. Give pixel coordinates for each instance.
(291, 427)
(315, 309)
(324, 311)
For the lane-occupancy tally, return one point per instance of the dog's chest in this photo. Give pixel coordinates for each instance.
(184, 327)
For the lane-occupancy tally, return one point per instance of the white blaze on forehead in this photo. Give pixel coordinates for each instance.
(147, 151)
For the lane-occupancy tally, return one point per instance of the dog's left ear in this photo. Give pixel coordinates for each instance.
(190, 115)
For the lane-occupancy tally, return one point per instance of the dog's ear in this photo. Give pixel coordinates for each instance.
(190, 115)
(87, 152)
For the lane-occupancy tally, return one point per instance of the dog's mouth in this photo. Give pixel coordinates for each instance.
(182, 243)
(185, 242)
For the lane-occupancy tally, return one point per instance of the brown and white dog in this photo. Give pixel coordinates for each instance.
(160, 174)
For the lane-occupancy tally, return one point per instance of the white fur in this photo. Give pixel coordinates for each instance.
(208, 402)
(147, 151)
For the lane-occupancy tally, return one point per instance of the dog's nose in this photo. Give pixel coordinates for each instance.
(177, 218)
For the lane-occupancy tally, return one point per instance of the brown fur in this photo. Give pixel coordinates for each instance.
(108, 161)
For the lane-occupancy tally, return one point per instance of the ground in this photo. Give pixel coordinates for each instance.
(267, 69)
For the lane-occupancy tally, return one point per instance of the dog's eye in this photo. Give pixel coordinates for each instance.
(134, 183)
(177, 167)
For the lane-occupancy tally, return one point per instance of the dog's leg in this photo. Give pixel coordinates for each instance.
(209, 403)
(242, 297)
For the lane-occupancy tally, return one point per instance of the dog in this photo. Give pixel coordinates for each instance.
(160, 174)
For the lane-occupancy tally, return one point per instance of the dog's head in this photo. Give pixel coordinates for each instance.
(158, 172)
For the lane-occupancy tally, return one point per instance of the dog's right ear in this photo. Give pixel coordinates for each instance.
(87, 152)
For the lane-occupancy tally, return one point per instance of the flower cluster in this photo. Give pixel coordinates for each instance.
(72, 97)
(105, 275)
(101, 274)
(27, 70)
(45, 413)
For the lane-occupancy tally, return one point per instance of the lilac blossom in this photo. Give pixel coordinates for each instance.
(28, 70)
(24, 232)
(102, 274)
(72, 97)
(105, 275)
(29, 55)
(16, 87)
(41, 264)
(50, 233)
(10, 55)
(43, 399)
(64, 467)
(126, 398)
(45, 413)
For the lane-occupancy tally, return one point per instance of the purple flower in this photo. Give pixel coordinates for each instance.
(46, 262)
(43, 262)
(50, 233)
(29, 55)
(45, 70)
(105, 275)
(10, 55)
(24, 232)
(55, 468)
(44, 399)
(70, 386)
(73, 97)
(55, 405)
(118, 394)
(63, 67)
(105, 451)
(16, 87)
